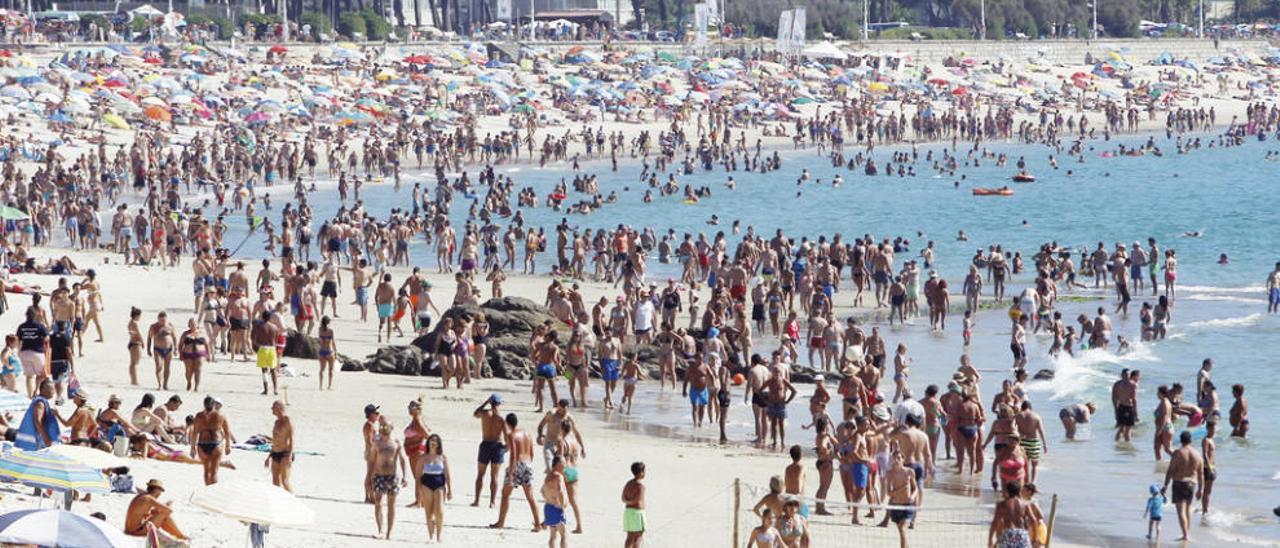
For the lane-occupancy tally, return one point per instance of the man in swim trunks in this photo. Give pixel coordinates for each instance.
(553, 496)
(388, 458)
(633, 522)
(281, 457)
(492, 450)
(384, 299)
(1033, 440)
(703, 380)
(1186, 473)
(1072, 416)
(264, 335)
(1124, 398)
(779, 392)
(212, 437)
(146, 512)
(549, 431)
(903, 489)
(519, 472)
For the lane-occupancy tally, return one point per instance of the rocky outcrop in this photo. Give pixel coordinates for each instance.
(511, 323)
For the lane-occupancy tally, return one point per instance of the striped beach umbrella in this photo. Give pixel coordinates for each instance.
(50, 471)
(59, 528)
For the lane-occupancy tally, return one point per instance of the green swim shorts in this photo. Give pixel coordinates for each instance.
(633, 520)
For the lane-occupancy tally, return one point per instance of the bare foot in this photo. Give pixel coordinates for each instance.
(495, 526)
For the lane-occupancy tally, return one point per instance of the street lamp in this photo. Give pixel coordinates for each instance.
(1093, 32)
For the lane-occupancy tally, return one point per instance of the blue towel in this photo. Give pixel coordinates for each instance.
(28, 439)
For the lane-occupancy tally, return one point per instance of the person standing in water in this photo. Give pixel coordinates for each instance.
(1186, 473)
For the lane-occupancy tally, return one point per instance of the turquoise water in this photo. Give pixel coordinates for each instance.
(1224, 193)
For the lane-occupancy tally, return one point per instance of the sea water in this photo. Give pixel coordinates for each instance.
(1227, 195)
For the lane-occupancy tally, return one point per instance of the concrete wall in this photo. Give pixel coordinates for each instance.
(1064, 51)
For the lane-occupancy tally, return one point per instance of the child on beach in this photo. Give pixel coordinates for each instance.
(968, 326)
(1154, 512)
(630, 376)
(9, 364)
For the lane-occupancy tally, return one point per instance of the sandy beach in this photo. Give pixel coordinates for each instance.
(690, 483)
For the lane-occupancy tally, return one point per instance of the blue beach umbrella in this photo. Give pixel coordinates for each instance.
(49, 471)
(59, 528)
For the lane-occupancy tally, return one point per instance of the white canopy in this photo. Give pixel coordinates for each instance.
(825, 50)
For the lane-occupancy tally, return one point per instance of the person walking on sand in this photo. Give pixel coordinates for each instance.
(280, 460)
(211, 436)
(384, 299)
(903, 489)
(264, 335)
(369, 432)
(519, 473)
(570, 451)
(388, 459)
(633, 520)
(553, 496)
(1186, 473)
(160, 343)
(549, 432)
(437, 486)
(492, 448)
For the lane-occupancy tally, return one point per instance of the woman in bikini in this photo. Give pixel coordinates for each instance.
(437, 486)
(415, 443)
(479, 342)
(578, 371)
(94, 299)
(825, 445)
(135, 345)
(445, 341)
(462, 352)
(213, 316)
(765, 536)
(328, 351)
(193, 348)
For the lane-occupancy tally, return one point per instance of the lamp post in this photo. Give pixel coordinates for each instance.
(1093, 32)
(982, 24)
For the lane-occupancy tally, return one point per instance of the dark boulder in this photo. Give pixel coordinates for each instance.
(1044, 375)
(301, 346)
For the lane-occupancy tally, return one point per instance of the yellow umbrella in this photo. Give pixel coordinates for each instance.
(114, 120)
(877, 86)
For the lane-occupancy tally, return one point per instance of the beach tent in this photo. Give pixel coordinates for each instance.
(824, 50)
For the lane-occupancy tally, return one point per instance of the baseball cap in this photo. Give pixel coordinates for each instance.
(370, 409)
(496, 398)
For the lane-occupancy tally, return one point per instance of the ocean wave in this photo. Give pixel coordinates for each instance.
(1227, 298)
(1239, 321)
(1074, 376)
(1260, 289)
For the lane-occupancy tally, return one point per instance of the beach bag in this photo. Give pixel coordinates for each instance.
(73, 384)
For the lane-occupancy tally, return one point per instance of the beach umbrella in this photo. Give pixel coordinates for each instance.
(278, 50)
(88, 456)
(49, 471)
(59, 528)
(114, 120)
(254, 502)
(158, 113)
(60, 118)
(10, 401)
